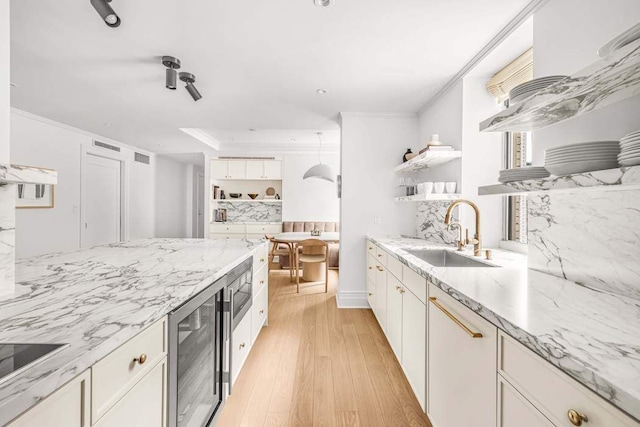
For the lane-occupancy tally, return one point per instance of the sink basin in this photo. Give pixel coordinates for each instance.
(444, 258)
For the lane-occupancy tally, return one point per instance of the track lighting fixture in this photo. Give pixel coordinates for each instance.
(172, 65)
(190, 79)
(106, 12)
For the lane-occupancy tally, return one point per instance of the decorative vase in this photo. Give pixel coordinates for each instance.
(406, 155)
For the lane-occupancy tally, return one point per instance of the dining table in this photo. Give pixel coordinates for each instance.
(311, 272)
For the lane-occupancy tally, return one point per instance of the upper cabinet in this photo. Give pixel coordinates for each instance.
(246, 169)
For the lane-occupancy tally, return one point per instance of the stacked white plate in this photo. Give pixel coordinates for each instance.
(631, 35)
(582, 157)
(630, 149)
(530, 88)
(523, 174)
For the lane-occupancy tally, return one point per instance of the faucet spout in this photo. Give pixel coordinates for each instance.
(477, 241)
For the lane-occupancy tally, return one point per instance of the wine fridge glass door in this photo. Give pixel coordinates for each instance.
(199, 366)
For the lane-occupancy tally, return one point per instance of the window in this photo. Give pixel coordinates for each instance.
(518, 153)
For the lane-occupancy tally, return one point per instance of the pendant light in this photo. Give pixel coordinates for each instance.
(320, 170)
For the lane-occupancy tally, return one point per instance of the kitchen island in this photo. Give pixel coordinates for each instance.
(95, 300)
(590, 335)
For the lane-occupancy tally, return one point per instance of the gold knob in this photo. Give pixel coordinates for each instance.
(370, 267)
(379, 255)
(141, 359)
(261, 259)
(401, 291)
(576, 417)
(261, 311)
(262, 282)
(241, 346)
(370, 294)
(370, 248)
(397, 288)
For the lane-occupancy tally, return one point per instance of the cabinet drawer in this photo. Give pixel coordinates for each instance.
(260, 279)
(259, 312)
(114, 375)
(516, 411)
(228, 228)
(371, 248)
(381, 255)
(241, 345)
(264, 229)
(260, 257)
(552, 391)
(394, 267)
(227, 236)
(415, 283)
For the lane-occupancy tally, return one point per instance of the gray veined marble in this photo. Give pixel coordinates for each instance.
(592, 336)
(96, 299)
(430, 222)
(611, 179)
(591, 238)
(27, 175)
(609, 80)
(252, 211)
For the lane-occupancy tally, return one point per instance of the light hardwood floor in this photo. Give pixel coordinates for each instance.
(316, 365)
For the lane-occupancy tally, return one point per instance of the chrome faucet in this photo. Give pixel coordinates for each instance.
(477, 240)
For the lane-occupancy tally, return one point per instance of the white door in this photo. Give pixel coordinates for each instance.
(255, 169)
(414, 342)
(381, 296)
(102, 201)
(200, 206)
(219, 169)
(273, 169)
(394, 315)
(237, 169)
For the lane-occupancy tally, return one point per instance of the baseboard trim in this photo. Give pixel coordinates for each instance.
(352, 299)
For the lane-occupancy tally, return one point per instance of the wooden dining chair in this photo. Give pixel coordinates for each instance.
(279, 248)
(313, 251)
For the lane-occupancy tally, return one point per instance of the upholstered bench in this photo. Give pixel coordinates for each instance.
(307, 226)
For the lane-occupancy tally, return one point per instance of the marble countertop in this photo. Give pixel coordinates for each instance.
(248, 222)
(592, 336)
(96, 299)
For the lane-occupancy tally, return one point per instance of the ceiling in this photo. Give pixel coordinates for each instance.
(257, 63)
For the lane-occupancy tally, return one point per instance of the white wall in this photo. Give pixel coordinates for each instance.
(5, 89)
(567, 34)
(36, 141)
(171, 198)
(309, 199)
(481, 161)
(371, 146)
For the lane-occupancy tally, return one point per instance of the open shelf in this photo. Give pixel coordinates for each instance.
(248, 200)
(605, 82)
(428, 160)
(427, 197)
(624, 178)
(17, 174)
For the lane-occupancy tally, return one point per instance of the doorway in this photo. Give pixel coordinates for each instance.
(199, 206)
(102, 201)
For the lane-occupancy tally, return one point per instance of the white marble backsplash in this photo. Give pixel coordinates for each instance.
(590, 237)
(430, 222)
(250, 211)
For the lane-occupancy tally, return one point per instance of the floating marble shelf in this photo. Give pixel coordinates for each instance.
(16, 174)
(428, 160)
(621, 178)
(605, 82)
(248, 200)
(427, 197)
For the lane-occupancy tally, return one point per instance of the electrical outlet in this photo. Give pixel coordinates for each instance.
(376, 219)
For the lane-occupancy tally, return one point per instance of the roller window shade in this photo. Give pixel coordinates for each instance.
(517, 72)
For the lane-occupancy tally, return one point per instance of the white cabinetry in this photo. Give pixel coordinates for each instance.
(229, 230)
(380, 309)
(414, 341)
(514, 410)
(394, 315)
(246, 169)
(144, 405)
(67, 407)
(462, 364)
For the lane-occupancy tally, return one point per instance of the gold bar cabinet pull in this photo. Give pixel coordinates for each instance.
(455, 320)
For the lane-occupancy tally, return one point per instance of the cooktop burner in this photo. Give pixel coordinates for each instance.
(17, 357)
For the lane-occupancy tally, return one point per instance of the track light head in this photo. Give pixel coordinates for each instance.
(106, 12)
(190, 79)
(172, 65)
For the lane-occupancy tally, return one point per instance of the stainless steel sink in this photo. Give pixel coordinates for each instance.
(444, 258)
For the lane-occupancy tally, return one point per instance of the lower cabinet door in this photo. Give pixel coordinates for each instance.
(144, 405)
(67, 407)
(371, 294)
(516, 411)
(241, 345)
(394, 315)
(462, 364)
(259, 312)
(381, 296)
(414, 343)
